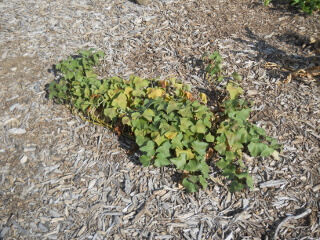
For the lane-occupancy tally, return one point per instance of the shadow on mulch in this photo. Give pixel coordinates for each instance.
(270, 53)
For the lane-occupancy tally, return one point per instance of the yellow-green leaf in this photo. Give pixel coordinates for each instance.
(188, 152)
(234, 91)
(203, 98)
(153, 93)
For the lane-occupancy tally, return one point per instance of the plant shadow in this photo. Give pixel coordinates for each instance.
(270, 53)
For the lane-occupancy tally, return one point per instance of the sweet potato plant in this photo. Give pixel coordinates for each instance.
(171, 125)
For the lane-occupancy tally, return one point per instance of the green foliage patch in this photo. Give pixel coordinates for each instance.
(171, 125)
(308, 6)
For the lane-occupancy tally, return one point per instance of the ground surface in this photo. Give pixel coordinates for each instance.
(63, 178)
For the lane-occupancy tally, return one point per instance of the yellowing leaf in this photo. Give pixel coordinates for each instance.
(188, 152)
(188, 95)
(128, 90)
(170, 135)
(203, 98)
(234, 91)
(120, 101)
(162, 83)
(153, 93)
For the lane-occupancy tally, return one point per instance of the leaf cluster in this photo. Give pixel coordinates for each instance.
(170, 125)
(236, 135)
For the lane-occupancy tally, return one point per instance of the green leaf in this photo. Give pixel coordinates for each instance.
(190, 186)
(209, 137)
(141, 140)
(231, 137)
(236, 186)
(139, 82)
(230, 155)
(204, 168)
(149, 148)
(249, 181)
(138, 93)
(164, 149)
(139, 123)
(176, 142)
(180, 161)
(230, 171)
(242, 175)
(200, 147)
(259, 149)
(192, 166)
(145, 160)
(196, 104)
(260, 131)
(203, 181)
(185, 123)
(186, 112)
(148, 114)
(172, 106)
(242, 135)
(221, 148)
(87, 92)
(222, 164)
(161, 160)
(207, 121)
(199, 127)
